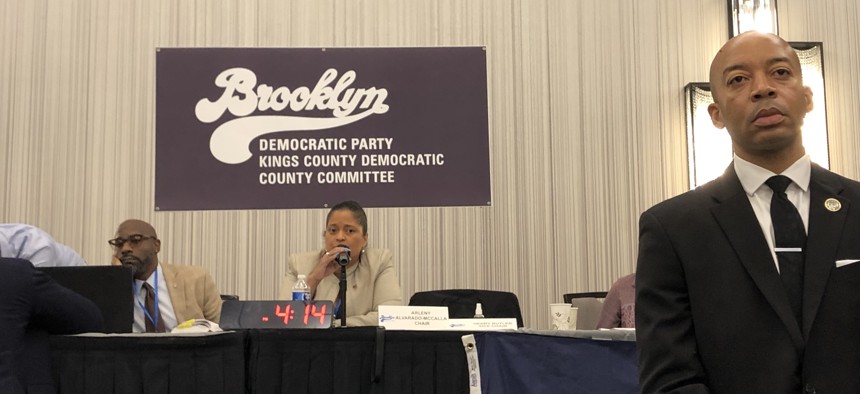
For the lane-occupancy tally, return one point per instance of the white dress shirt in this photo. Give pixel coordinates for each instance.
(165, 306)
(753, 179)
(23, 241)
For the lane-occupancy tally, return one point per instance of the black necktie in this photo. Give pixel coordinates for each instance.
(789, 242)
(149, 304)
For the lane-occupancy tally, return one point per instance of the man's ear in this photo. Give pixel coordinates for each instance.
(807, 94)
(716, 116)
(157, 245)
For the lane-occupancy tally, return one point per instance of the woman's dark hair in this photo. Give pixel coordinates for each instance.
(357, 213)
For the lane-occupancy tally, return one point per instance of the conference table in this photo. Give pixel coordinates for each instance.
(343, 360)
(149, 363)
(579, 361)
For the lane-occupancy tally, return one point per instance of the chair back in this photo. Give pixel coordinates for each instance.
(461, 303)
(589, 307)
(593, 294)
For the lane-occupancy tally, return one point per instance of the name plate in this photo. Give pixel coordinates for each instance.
(276, 314)
(429, 318)
(485, 324)
(435, 318)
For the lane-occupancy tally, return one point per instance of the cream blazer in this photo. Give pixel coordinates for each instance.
(370, 283)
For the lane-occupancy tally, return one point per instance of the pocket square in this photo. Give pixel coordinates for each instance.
(842, 263)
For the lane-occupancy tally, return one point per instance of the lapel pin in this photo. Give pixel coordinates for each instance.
(832, 204)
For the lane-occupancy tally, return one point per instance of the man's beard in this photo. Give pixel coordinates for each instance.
(138, 266)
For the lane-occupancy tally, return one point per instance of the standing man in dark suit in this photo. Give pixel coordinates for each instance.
(716, 309)
(31, 306)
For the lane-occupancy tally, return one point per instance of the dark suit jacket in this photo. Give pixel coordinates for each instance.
(32, 305)
(712, 313)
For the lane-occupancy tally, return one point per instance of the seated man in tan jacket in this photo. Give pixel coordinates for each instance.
(164, 294)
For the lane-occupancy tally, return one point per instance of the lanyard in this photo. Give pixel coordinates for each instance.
(146, 312)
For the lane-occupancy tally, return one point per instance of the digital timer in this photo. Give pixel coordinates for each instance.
(276, 314)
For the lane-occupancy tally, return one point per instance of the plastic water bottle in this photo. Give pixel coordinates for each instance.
(479, 311)
(301, 291)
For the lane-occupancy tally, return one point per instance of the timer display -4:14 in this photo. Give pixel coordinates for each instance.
(310, 311)
(277, 314)
(286, 314)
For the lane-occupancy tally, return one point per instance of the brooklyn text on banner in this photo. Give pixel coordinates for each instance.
(268, 128)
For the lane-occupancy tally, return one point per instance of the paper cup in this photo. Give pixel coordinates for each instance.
(558, 316)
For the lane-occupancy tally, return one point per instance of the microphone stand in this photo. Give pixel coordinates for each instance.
(343, 261)
(342, 294)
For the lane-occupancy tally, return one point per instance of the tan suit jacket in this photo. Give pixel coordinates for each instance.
(370, 283)
(192, 293)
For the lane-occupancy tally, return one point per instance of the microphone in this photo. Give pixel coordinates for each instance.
(342, 258)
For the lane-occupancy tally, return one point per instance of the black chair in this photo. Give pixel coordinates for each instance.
(461, 303)
(229, 297)
(589, 308)
(594, 294)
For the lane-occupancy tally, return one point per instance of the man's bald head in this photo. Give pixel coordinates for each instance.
(136, 226)
(759, 97)
(724, 61)
(138, 247)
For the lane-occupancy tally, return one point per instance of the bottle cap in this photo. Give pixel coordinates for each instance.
(303, 276)
(479, 311)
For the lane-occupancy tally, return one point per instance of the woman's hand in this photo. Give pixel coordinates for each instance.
(325, 267)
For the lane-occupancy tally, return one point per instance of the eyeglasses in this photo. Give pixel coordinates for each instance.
(134, 240)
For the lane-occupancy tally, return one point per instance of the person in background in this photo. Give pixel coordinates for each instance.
(32, 305)
(23, 241)
(751, 282)
(371, 280)
(165, 294)
(620, 304)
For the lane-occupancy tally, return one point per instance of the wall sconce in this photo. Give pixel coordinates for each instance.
(709, 150)
(746, 15)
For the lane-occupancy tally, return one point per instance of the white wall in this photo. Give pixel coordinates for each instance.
(586, 123)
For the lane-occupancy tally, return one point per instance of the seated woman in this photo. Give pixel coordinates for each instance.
(619, 307)
(370, 277)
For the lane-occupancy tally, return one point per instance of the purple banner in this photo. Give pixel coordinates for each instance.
(268, 128)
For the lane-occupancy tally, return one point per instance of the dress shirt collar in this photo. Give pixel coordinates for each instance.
(151, 279)
(752, 177)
